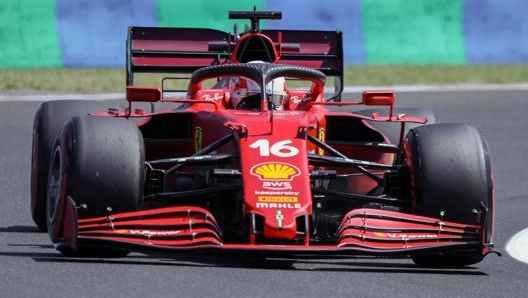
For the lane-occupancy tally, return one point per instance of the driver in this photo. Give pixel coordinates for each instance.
(276, 93)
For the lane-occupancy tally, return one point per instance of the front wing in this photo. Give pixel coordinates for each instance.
(192, 229)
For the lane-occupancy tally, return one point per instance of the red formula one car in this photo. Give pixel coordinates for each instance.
(255, 156)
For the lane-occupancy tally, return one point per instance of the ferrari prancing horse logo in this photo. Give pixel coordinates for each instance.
(322, 138)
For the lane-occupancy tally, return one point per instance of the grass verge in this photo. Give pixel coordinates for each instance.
(113, 80)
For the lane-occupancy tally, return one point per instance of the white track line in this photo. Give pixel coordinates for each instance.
(517, 246)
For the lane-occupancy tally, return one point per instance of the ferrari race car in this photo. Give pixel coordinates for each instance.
(236, 163)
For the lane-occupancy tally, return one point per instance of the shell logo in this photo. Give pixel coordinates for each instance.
(275, 171)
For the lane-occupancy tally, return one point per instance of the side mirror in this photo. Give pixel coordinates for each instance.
(143, 94)
(378, 98)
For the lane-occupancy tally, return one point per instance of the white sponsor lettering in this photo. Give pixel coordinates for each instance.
(276, 193)
(153, 233)
(278, 185)
(279, 205)
(280, 148)
(295, 99)
(216, 97)
(411, 236)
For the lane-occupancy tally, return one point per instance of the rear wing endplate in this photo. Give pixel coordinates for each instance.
(171, 50)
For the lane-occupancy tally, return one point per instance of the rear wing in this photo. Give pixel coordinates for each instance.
(171, 50)
(184, 50)
(322, 50)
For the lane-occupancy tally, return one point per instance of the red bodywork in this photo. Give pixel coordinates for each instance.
(276, 161)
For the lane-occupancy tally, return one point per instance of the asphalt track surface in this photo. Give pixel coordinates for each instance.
(30, 267)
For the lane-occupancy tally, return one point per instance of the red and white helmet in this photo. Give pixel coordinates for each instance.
(276, 91)
(242, 87)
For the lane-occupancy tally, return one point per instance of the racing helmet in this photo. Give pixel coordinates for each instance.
(276, 92)
(244, 87)
(241, 88)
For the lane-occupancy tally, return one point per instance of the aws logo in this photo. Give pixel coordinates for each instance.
(276, 185)
(275, 171)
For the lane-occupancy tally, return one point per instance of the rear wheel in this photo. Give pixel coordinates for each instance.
(450, 173)
(98, 162)
(49, 119)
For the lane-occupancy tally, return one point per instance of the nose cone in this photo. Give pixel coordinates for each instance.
(280, 227)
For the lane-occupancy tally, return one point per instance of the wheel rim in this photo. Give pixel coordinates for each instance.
(54, 187)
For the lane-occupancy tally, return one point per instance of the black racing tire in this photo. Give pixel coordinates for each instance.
(392, 129)
(99, 163)
(450, 172)
(48, 121)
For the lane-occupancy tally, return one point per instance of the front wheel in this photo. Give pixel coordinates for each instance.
(450, 174)
(99, 163)
(48, 122)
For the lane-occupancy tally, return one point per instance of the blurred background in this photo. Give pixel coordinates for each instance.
(91, 34)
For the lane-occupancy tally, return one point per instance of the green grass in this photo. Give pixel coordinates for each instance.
(113, 80)
(63, 80)
(436, 74)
